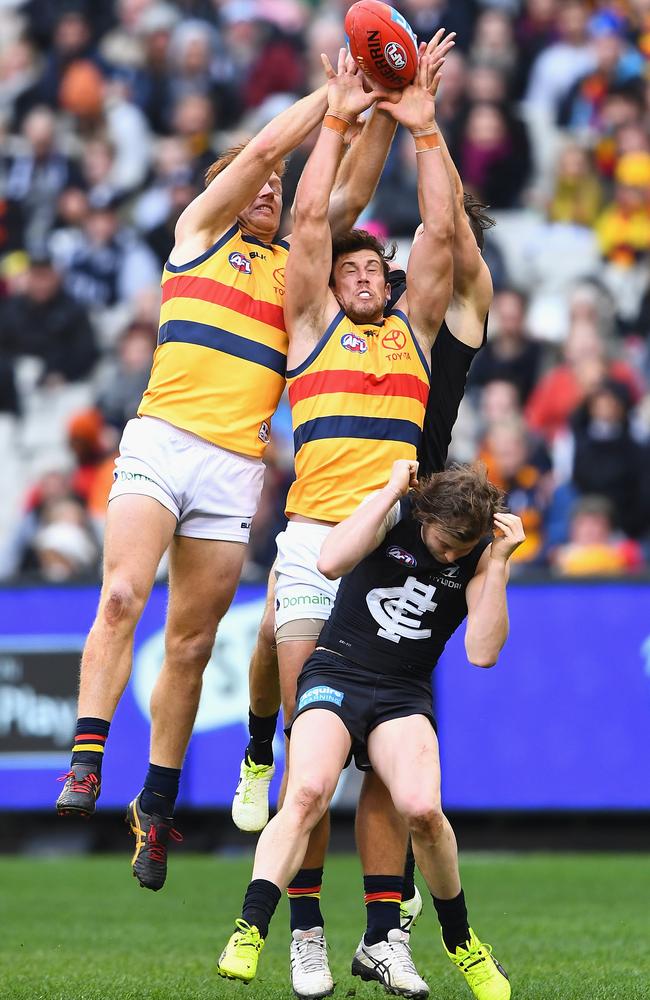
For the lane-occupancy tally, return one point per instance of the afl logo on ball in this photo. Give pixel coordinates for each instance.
(240, 263)
(401, 555)
(394, 340)
(351, 342)
(395, 55)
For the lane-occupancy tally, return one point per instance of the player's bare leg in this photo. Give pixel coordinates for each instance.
(382, 837)
(138, 530)
(203, 577)
(310, 972)
(282, 844)
(250, 806)
(404, 753)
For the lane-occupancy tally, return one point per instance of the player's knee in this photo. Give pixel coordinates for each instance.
(121, 604)
(189, 653)
(425, 819)
(308, 801)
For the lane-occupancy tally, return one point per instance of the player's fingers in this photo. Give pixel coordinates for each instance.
(422, 47)
(434, 42)
(327, 66)
(341, 62)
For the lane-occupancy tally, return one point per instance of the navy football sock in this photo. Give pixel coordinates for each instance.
(304, 899)
(382, 896)
(160, 790)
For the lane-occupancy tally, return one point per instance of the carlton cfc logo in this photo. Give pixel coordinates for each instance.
(394, 340)
(401, 555)
(351, 342)
(240, 263)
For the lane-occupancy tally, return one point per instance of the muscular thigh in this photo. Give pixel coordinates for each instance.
(138, 530)
(292, 656)
(203, 578)
(404, 754)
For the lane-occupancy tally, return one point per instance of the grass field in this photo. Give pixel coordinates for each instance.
(565, 927)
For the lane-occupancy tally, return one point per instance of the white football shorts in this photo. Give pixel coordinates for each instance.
(212, 492)
(300, 590)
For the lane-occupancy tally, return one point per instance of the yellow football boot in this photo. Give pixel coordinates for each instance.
(240, 956)
(485, 977)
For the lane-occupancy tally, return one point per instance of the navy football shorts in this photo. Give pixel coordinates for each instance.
(361, 698)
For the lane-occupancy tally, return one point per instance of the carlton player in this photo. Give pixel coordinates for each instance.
(417, 566)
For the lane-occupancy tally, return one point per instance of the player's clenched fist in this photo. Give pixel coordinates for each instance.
(403, 477)
(508, 535)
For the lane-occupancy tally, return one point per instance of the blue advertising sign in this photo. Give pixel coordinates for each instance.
(561, 722)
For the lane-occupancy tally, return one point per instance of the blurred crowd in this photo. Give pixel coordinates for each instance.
(110, 112)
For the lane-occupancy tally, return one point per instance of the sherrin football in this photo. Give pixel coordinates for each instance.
(382, 43)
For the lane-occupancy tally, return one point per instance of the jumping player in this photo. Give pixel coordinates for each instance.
(190, 468)
(367, 690)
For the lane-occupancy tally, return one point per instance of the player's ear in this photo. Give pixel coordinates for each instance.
(388, 293)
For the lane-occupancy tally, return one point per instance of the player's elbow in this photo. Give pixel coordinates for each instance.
(328, 568)
(441, 230)
(480, 655)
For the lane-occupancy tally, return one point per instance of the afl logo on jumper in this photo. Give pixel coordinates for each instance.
(394, 340)
(240, 263)
(395, 55)
(402, 556)
(351, 342)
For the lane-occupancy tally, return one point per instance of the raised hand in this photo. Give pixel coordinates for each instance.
(416, 108)
(508, 536)
(403, 477)
(345, 88)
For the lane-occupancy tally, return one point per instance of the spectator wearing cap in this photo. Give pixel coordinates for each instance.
(623, 229)
(34, 177)
(594, 547)
(46, 322)
(510, 355)
(606, 459)
(615, 63)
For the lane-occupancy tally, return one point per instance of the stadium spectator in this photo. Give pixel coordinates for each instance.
(493, 43)
(578, 195)
(110, 264)
(516, 466)
(510, 354)
(534, 32)
(494, 155)
(624, 227)
(607, 460)
(594, 548)
(46, 323)
(34, 177)
(122, 383)
(558, 66)
(564, 387)
(615, 63)
(93, 445)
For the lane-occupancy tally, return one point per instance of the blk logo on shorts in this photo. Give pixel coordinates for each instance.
(240, 262)
(351, 342)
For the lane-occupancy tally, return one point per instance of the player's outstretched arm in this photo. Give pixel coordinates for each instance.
(214, 210)
(360, 170)
(429, 274)
(353, 539)
(309, 264)
(487, 607)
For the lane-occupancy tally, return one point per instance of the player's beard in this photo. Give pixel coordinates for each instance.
(360, 311)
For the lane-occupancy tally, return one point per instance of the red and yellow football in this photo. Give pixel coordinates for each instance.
(382, 43)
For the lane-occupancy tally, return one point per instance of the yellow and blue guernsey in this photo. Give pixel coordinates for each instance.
(357, 405)
(219, 367)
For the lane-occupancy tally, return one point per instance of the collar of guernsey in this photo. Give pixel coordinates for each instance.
(357, 404)
(219, 367)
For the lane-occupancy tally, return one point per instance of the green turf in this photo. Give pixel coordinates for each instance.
(566, 927)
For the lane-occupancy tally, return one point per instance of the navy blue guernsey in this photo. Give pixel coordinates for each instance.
(396, 610)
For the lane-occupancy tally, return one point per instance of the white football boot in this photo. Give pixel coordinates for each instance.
(310, 972)
(409, 911)
(250, 806)
(391, 964)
